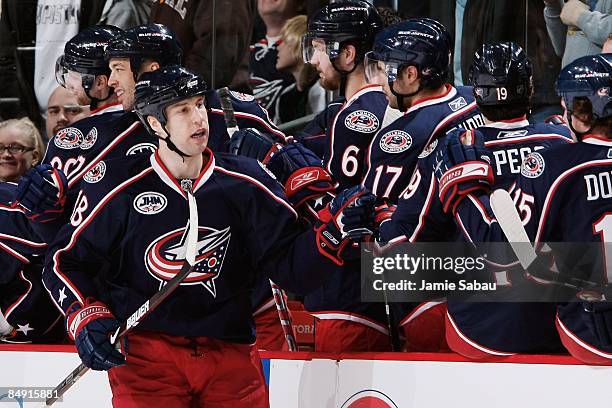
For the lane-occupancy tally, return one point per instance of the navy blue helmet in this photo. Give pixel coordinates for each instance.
(589, 77)
(354, 21)
(501, 74)
(84, 53)
(420, 42)
(151, 41)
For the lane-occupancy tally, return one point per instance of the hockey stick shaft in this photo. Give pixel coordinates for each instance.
(277, 293)
(147, 307)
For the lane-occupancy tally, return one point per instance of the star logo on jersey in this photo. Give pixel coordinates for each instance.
(361, 121)
(165, 256)
(267, 91)
(68, 138)
(533, 165)
(395, 141)
(96, 173)
(24, 329)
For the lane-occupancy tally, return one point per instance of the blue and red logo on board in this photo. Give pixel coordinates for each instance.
(165, 256)
(361, 121)
(369, 399)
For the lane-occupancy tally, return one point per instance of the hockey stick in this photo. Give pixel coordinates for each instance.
(510, 223)
(279, 297)
(148, 306)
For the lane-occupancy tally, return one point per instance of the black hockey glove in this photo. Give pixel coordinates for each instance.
(463, 166)
(252, 143)
(301, 172)
(346, 220)
(42, 193)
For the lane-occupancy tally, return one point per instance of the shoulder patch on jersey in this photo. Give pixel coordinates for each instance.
(395, 141)
(428, 149)
(242, 96)
(361, 121)
(457, 104)
(533, 165)
(89, 139)
(266, 170)
(96, 173)
(150, 202)
(68, 138)
(605, 91)
(506, 134)
(141, 148)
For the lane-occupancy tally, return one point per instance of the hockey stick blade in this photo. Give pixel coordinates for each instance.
(147, 307)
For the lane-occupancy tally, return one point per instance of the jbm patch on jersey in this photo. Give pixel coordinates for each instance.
(96, 173)
(150, 202)
(395, 141)
(457, 104)
(361, 121)
(533, 165)
(242, 96)
(428, 149)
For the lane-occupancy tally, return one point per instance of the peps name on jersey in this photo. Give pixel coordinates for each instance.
(150, 203)
(598, 185)
(361, 121)
(165, 256)
(395, 141)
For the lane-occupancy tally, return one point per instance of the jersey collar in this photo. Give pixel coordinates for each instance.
(164, 174)
(365, 90)
(449, 94)
(112, 107)
(516, 123)
(597, 140)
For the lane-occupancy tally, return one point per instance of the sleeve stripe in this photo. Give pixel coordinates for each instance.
(21, 298)
(14, 253)
(77, 177)
(527, 138)
(23, 241)
(85, 223)
(261, 186)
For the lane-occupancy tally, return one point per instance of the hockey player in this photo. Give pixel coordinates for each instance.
(411, 61)
(562, 197)
(24, 303)
(131, 242)
(83, 71)
(501, 77)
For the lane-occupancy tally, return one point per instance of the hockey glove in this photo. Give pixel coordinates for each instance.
(301, 172)
(347, 218)
(42, 193)
(555, 120)
(90, 327)
(465, 167)
(599, 321)
(252, 143)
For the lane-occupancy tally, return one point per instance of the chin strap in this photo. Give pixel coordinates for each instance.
(93, 105)
(400, 96)
(344, 74)
(578, 134)
(171, 144)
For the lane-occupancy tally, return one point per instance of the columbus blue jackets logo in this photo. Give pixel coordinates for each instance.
(165, 256)
(141, 148)
(395, 141)
(361, 121)
(533, 165)
(369, 399)
(150, 202)
(96, 173)
(428, 149)
(68, 138)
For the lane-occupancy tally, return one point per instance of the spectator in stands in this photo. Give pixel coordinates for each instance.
(192, 23)
(63, 110)
(265, 80)
(607, 47)
(21, 147)
(578, 28)
(305, 95)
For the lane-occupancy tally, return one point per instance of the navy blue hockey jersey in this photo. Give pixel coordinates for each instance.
(122, 248)
(394, 151)
(23, 300)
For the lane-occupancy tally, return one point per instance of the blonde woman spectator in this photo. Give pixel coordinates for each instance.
(21, 147)
(305, 96)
